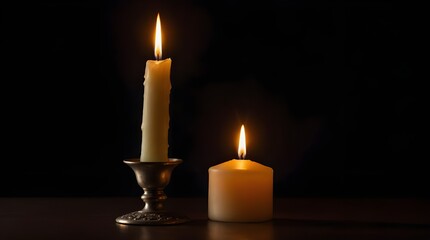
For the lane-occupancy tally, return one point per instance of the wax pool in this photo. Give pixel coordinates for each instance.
(240, 191)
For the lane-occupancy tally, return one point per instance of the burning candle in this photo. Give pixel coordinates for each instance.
(240, 190)
(155, 120)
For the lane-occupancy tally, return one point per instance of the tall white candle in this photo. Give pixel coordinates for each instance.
(155, 119)
(240, 190)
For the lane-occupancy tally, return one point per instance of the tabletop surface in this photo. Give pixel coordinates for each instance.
(294, 218)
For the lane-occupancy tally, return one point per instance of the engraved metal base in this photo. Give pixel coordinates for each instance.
(148, 218)
(152, 177)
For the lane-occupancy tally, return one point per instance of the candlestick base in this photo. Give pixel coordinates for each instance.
(152, 177)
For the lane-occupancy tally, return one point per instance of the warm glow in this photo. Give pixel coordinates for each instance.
(158, 48)
(242, 143)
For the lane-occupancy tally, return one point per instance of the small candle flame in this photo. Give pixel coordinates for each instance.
(242, 143)
(158, 48)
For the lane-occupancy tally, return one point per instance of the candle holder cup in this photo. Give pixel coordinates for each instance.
(152, 177)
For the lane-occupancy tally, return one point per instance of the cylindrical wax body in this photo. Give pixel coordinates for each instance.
(240, 191)
(155, 119)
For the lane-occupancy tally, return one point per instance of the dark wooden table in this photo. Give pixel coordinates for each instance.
(294, 218)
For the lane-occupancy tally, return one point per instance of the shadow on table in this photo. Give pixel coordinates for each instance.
(278, 229)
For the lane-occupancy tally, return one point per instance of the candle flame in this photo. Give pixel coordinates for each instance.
(242, 143)
(158, 48)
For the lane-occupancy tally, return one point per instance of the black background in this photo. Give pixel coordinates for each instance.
(329, 94)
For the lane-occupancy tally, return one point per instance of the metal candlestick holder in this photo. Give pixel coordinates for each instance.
(152, 177)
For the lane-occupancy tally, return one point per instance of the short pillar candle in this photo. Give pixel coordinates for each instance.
(240, 190)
